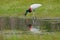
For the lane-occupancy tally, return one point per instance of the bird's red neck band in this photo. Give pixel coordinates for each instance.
(30, 26)
(30, 9)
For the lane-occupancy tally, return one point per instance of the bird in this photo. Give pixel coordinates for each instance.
(33, 29)
(32, 8)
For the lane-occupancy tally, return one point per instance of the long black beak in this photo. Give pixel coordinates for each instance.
(26, 12)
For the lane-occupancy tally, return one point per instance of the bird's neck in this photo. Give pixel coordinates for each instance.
(30, 27)
(30, 9)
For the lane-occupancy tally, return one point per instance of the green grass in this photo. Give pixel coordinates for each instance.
(52, 36)
(49, 9)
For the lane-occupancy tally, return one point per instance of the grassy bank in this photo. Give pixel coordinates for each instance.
(50, 36)
(49, 9)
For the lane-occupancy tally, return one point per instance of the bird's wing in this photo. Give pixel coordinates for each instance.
(34, 6)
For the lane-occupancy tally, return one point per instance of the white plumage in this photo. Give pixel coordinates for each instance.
(34, 6)
(35, 30)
